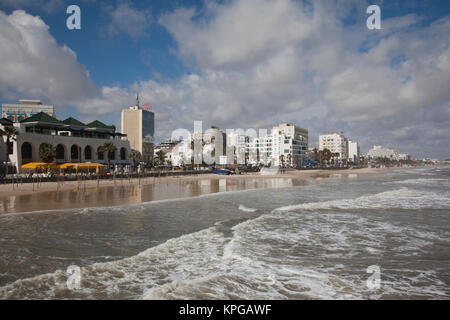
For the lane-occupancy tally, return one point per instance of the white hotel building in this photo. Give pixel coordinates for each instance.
(336, 142)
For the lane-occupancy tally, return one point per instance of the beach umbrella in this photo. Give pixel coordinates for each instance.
(39, 165)
(66, 165)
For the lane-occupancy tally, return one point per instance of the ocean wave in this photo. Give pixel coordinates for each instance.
(403, 198)
(246, 209)
(274, 256)
(423, 181)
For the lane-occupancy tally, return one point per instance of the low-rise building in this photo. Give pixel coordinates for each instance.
(72, 140)
(382, 152)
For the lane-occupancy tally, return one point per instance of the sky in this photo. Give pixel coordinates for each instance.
(240, 64)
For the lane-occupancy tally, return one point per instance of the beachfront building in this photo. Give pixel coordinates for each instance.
(382, 152)
(290, 145)
(406, 157)
(237, 144)
(353, 152)
(391, 154)
(73, 141)
(260, 150)
(181, 153)
(5, 147)
(139, 126)
(25, 109)
(215, 146)
(166, 148)
(336, 142)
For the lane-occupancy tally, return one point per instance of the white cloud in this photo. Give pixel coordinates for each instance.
(245, 30)
(34, 65)
(48, 6)
(272, 61)
(261, 62)
(128, 20)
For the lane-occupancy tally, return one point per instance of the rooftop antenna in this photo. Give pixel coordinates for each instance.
(137, 99)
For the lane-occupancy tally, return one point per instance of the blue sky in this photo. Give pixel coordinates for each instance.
(241, 64)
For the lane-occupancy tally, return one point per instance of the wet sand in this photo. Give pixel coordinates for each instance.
(74, 194)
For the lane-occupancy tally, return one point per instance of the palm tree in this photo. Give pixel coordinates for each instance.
(108, 147)
(326, 154)
(10, 133)
(46, 152)
(135, 156)
(315, 154)
(160, 157)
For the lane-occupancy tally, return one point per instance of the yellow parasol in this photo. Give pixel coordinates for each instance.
(39, 165)
(83, 166)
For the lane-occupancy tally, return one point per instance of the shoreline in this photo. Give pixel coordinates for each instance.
(86, 194)
(6, 190)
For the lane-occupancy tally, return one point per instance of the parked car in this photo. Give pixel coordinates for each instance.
(223, 171)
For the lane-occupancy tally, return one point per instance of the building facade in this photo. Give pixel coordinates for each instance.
(336, 143)
(353, 152)
(290, 145)
(25, 109)
(73, 141)
(139, 126)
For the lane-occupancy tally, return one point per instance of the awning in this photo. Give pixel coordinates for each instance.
(39, 165)
(85, 165)
(82, 166)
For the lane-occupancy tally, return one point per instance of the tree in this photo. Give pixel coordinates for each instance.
(325, 155)
(135, 156)
(10, 133)
(109, 148)
(160, 157)
(316, 155)
(46, 152)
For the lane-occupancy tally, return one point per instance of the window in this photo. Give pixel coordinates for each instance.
(74, 153)
(60, 152)
(87, 153)
(100, 155)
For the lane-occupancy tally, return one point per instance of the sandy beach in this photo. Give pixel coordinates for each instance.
(90, 193)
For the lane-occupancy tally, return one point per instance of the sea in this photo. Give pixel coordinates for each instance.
(337, 236)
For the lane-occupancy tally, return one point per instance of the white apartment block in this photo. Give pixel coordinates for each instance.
(25, 109)
(336, 143)
(290, 145)
(237, 144)
(286, 145)
(381, 152)
(181, 153)
(353, 151)
(260, 150)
